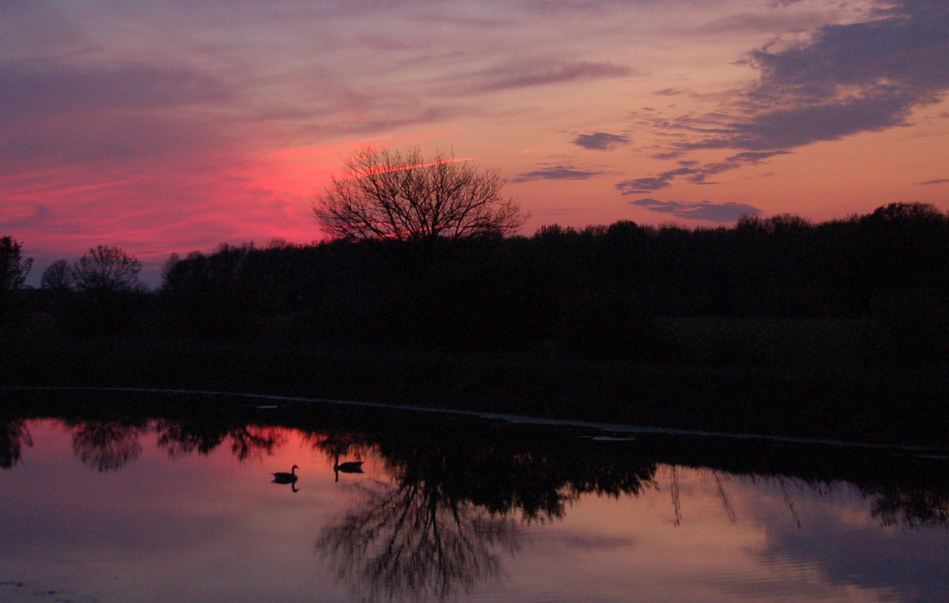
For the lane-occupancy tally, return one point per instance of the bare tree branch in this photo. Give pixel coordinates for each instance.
(387, 193)
(106, 268)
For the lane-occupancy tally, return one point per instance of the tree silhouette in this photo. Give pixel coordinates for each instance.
(13, 271)
(106, 269)
(13, 267)
(111, 298)
(387, 193)
(57, 277)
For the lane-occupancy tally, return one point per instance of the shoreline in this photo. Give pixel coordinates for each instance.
(604, 428)
(790, 399)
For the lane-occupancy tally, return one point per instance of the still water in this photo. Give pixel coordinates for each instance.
(162, 505)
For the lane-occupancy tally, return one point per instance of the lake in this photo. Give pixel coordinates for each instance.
(118, 496)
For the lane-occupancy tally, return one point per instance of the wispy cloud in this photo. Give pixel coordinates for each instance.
(755, 23)
(936, 181)
(77, 115)
(851, 78)
(862, 76)
(557, 172)
(18, 215)
(705, 210)
(541, 72)
(600, 141)
(44, 88)
(648, 184)
(755, 156)
(694, 172)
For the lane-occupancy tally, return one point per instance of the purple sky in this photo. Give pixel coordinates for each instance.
(167, 127)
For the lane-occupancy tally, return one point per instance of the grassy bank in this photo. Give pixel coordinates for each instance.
(810, 378)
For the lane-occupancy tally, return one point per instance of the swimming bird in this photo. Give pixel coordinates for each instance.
(349, 467)
(281, 477)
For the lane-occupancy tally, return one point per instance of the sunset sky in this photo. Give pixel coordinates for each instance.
(174, 126)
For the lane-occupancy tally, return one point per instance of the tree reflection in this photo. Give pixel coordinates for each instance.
(410, 540)
(107, 445)
(252, 442)
(13, 435)
(913, 507)
(423, 536)
(246, 441)
(475, 472)
(182, 439)
(335, 443)
(455, 510)
(901, 491)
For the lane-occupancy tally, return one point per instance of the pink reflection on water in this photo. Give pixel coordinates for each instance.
(195, 516)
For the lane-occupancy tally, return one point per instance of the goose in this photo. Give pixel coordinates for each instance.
(349, 467)
(286, 478)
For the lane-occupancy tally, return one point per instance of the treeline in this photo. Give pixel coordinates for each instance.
(591, 291)
(98, 294)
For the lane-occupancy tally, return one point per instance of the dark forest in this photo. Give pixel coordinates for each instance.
(825, 321)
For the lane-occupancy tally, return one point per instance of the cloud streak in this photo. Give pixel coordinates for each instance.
(865, 76)
(694, 172)
(556, 172)
(58, 88)
(533, 72)
(705, 210)
(858, 77)
(648, 184)
(600, 141)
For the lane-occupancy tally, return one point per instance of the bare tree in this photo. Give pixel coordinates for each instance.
(106, 269)
(57, 277)
(13, 271)
(387, 193)
(13, 267)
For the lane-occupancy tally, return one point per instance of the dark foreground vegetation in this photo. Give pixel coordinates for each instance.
(838, 329)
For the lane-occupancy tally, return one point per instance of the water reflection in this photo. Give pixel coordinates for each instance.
(13, 436)
(245, 441)
(335, 444)
(434, 516)
(107, 445)
(913, 507)
(410, 540)
(524, 472)
(451, 512)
